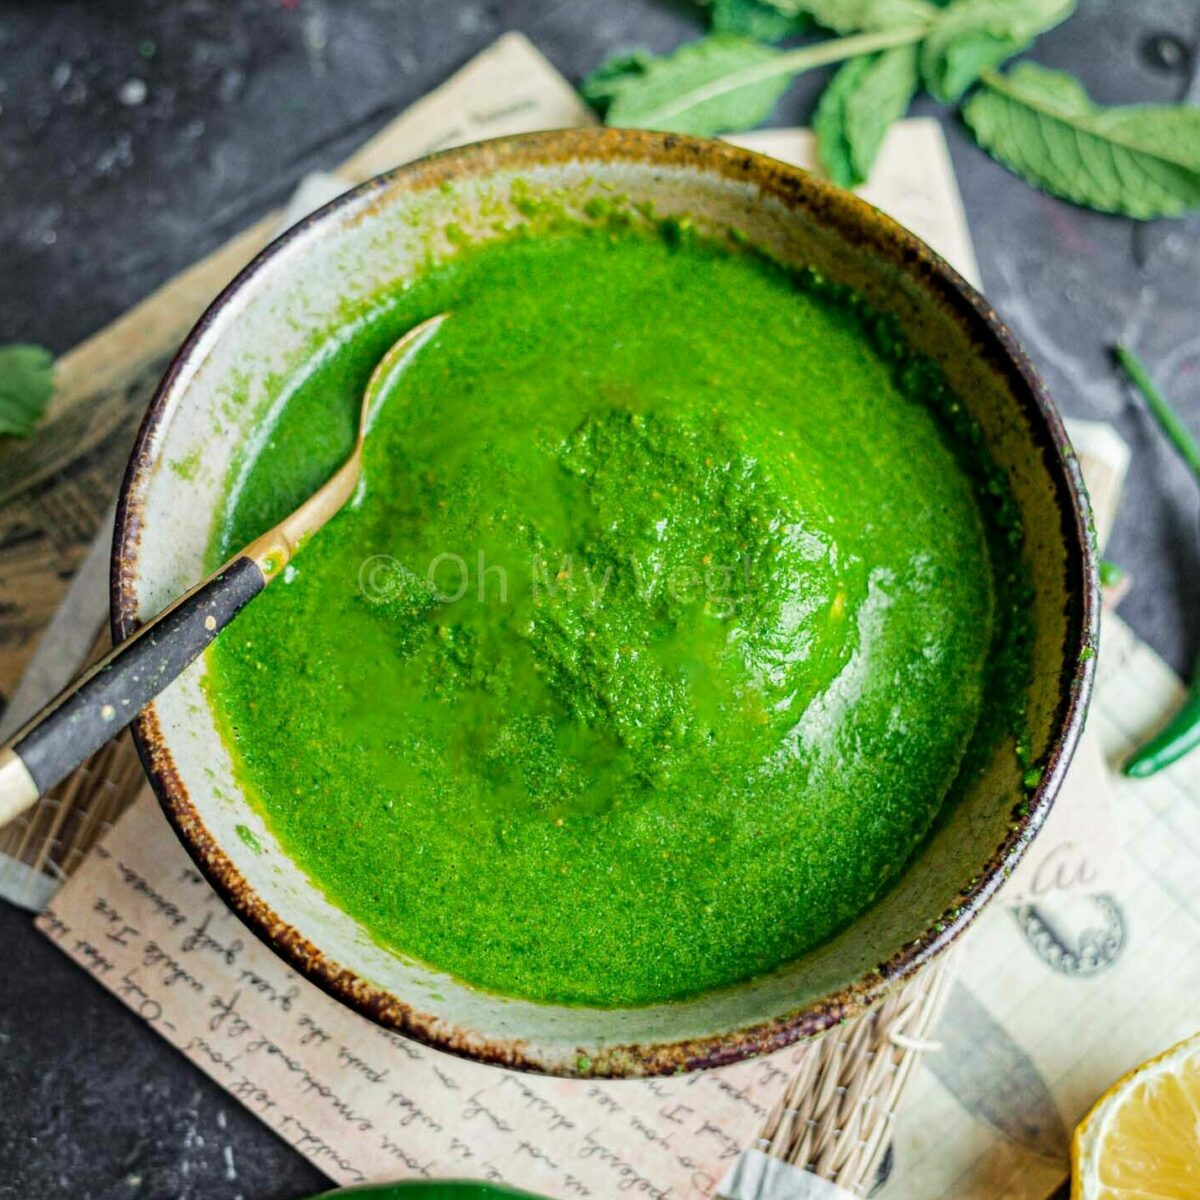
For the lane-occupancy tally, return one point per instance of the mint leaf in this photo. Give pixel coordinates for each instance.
(1142, 160)
(705, 87)
(850, 16)
(973, 36)
(599, 88)
(860, 102)
(829, 121)
(756, 19)
(26, 385)
(721, 82)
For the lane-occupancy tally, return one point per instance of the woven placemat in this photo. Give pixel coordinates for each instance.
(836, 1114)
(43, 847)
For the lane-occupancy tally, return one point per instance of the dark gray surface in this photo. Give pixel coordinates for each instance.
(102, 199)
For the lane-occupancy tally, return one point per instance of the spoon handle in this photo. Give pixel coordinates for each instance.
(100, 703)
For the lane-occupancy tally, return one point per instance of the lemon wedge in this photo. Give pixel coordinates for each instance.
(1142, 1137)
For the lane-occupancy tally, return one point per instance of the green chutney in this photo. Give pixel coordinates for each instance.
(656, 639)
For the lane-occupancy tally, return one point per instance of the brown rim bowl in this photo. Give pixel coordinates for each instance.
(260, 329)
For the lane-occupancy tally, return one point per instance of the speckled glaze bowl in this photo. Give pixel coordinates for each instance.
(260, 328)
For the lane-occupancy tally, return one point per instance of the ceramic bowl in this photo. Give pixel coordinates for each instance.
(215, 399)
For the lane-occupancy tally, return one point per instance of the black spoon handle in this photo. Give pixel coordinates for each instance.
(98, 705)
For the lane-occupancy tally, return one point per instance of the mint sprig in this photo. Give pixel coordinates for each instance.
(728, 81)
(1139, 160)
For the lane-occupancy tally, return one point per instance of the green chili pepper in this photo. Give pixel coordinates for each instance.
(1179, 735)
(1160, 408)
(1182, 732)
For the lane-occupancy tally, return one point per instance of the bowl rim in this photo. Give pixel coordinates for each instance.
(850, 216)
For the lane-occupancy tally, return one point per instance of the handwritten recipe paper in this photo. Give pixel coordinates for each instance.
(362, 1103)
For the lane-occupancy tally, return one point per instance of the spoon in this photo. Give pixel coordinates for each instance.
(106, 698)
